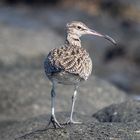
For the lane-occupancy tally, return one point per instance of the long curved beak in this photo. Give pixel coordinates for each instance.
(93, 32)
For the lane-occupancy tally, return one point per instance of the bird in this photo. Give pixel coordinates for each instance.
(70, 64)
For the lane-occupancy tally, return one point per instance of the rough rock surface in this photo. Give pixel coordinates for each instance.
(125, 112)
(92, 129)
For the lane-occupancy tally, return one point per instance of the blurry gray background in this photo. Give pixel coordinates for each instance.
(29, 29)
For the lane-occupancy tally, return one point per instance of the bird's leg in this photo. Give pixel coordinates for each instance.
(53, 119)
(71, 121)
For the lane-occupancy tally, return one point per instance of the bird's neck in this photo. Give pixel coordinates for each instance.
(73, 39)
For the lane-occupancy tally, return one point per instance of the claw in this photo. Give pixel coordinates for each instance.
(71, 122)
(55, 123)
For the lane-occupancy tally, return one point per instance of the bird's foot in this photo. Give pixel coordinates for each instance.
(55, 123)
(71, 121)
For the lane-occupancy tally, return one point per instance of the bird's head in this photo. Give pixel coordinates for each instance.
(78, 28)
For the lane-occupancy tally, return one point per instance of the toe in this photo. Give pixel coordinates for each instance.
(71, 122)
(55, 123)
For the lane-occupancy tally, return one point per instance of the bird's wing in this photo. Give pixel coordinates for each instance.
(71, 59)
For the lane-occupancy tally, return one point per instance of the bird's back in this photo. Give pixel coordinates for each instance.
(68, 64)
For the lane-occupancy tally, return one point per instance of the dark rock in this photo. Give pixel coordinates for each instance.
(136, 55)
(113, 7)
(128, 111)
(35, 129)
(113, 53)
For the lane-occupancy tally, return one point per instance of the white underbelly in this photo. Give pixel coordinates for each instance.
(65, 78)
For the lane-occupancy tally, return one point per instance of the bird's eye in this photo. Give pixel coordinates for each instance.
(78, 27)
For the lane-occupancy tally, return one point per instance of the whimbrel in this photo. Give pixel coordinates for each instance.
(70, 64)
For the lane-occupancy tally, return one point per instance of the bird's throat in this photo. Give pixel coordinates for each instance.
(73, 40)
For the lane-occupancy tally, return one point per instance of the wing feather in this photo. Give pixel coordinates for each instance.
(72, 59)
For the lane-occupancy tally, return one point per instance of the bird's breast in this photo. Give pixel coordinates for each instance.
(74, 60)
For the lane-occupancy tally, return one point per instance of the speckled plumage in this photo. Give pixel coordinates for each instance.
(68, 61)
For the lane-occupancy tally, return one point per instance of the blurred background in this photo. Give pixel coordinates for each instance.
(29, 29)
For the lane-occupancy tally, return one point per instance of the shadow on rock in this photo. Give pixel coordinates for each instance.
(128, 111)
